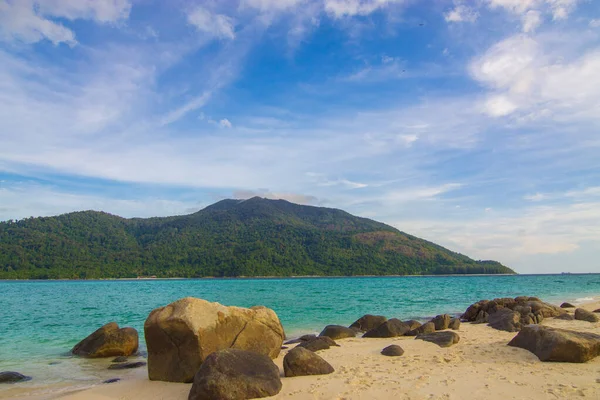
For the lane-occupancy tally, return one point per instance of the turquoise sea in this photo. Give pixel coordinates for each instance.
(41, 320)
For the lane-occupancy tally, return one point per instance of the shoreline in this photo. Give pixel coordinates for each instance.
(425, 371)
(291, 277)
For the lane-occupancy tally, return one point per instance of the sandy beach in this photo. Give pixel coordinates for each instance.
(480, 366)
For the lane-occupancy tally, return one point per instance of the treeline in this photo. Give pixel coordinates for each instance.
(256, 237)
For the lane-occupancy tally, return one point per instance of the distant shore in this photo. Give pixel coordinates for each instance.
(480, 366)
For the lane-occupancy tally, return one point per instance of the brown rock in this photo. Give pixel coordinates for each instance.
(368, 322)
(442, 339)
(585, 315)
(234, 374)
(302, 362)
(181, 335)
(108, 341)
(441, 322)
(505, 320)
(427, 327)
(413, 324)
(566, 317)
(129, 365)
(393, 351)
(319, 343)
(454, 324)
(13, 377)
(338, 332)
(390, 328)
(552, 344)
(567, 305)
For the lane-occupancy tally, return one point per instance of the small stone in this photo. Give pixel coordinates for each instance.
(112, 380)
(567, 305)
(393, 351)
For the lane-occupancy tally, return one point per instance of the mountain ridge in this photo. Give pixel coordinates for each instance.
(253, 237)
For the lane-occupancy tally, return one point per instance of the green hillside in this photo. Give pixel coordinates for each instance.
(255, 237)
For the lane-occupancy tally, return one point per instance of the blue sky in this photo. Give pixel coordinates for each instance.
(473, 124)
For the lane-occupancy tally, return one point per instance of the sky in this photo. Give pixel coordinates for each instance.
(472, 124)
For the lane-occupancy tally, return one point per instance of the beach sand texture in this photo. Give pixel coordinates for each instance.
(480, 366)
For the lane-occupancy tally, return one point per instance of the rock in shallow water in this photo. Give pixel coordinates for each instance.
(337, 332)
(234, 374)
(108, 341)
(181, 335)
(553, 344)
(112, 380)
(302, 362)
(585, 315)
(127, 365)
(368, 322)
(393, 351)
(13, 377)
(442, 339)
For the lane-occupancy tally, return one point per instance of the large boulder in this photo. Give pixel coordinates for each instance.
(368, 322)
(338, 332)
(441, 322)
(390, 328)
(108, 341)
(13, 377)
(234, 374)
(302, 362)
(319, 343)
(427, 327)
(585, 315)
(442, 339)
(181, 335)
(553, 344)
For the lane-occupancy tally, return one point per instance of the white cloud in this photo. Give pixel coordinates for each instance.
(531, 20)
(271, 5)
(224, 123)
(348, 8)
(594, 23)
(216, 25)
(30, 21)
(499, 106)
(180, 112)
(535, 197)
(461, 13)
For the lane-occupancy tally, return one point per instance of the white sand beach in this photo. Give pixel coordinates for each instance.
(480, 366)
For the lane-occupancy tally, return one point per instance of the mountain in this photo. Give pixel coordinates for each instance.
(255, 237)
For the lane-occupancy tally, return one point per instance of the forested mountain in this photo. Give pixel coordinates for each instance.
(255, 237)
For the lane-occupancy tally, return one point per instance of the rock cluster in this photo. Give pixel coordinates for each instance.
(513, 313)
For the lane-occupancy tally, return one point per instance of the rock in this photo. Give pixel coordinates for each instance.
(112, 380)
(566, 317)
(302, 362)
(284, 347)
(390, 328)
(553, 344)
(427, 327)
(130, 365)
(585, 315)
(338, 332)
(319, 343)
(442, 339)
(441, 322)
(413, 324)
(13, 377)
(181, 335)
(597, 310)
(454, 324)
(505, 320)
(234, 374)
(567, 305)
(368, 322)
(393, 351)
(120, 359)
(546, 309)
(303, 338)
(108, 341)
(482, 318)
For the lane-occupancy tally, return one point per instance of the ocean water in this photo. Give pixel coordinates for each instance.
(40, 321)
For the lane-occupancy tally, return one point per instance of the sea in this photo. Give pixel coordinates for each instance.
(40, 321)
